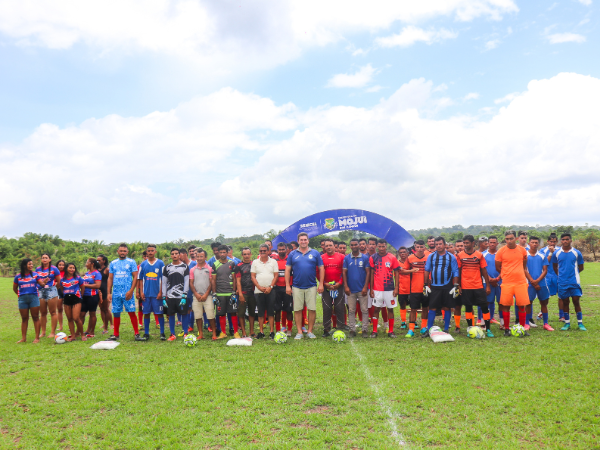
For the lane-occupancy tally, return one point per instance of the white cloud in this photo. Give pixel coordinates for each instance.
(411, 35)
(586, 2)
(360, 78)
(561, 38)
(471, 96)
(375, 88)
(360, 52)
(239, 164)
(507, 98)
(490, 45)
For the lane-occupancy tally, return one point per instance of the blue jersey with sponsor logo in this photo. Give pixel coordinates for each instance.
(304, 267)
(490, 259)
(52, 273)
(26, 285)
(568, 270)
(91, 278)
(72, 286)
(122, 270)
(551, 274)
(535, 266)
(151, 276)
(356, 275)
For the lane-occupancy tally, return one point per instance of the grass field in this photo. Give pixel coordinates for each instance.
(539, 392)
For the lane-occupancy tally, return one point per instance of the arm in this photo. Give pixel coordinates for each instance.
(164, 285)
(131, 290)
(255, 282)
(498, 267)
(213, 283)
(288, 274)
(16, 288)
(273, 282)
(321, 287)
(371, 277)
(580, 267)
(367, 278)
(140, 288)
(238, 288)
(194, 292)
(109, 285)
(396, 282)
(544, 273)
(345, 281)
(486, 277)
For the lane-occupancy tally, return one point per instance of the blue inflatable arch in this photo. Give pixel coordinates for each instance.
(344, 220)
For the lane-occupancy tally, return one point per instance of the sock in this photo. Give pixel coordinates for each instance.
(403, 315)
(430, 318)
(304, 316)
(374, 320)
(191, 320)
(223, 323)
(424, 323)
(579, 317)
(486, 318)
(384, 315)
(457, 320)
(161, 323)
(529, 317)
(506, 315)
(444, 315)
(479, 314)
(492, 307)
(447, 319)
(391, 322)
(184, 324)
(147, 325)
(283, 318)
(236, 326)
(566, 316)
(411, 326)
(172, 324)
(333, 321)
(469, 317)
(178, 317)
(371, 311)
(218, 326)
(290, 324)
(545, 317)
(359, 312)
(140, 316)
(561, 314)
(230, 320)
(277, 325)
(134, 322)
(156, 319)
(116, 324)
(522, 317)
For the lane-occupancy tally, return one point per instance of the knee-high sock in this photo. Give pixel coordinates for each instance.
(391, 322)
(184, 323)
(561, 314)
(579, 317)
(178, 317)
(403, 315)
(457, 320)
(161, 323)
(333, 321)
(191, 320)
(469, 317)
(506, 315)
(116, 323)
(172, 324)
(522, 316)
(230, 320)
(447, 319)
(486, 318)
(140, 316)
(223, 322)
(290, 323)
(430, 318)
(384, 315)
(146, 325)
(492, 308)
(156, 318)
(234, 321)
(277, 325)
(283, 318)
(371, 312)
(134, 322)
(479, 314)
(567, 317)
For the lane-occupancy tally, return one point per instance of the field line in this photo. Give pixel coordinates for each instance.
(396, 435)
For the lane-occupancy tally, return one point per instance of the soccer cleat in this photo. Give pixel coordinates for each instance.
(426, 335)
(532, 324)
(494, 321)
(139, 338)
(221, 336)
(507, 332)
(181, 334)
(547, 327)
(298, 336)
(236, 335)
(146, 337)
(304, 330)
(171, 338)
(392, 335)
(423, 330)
(113, 338)
(581, 327)
(457, 330)
(526, 327)
(489, 333)
(163, 337)
(403, 326)
(446, 330)
(284, 329)
(178, 323)
(410, 334)
(373, 335)
(272, 335)
(566, 327)
(190, 329)
(231, 332)
(326, 334)
(260, 335)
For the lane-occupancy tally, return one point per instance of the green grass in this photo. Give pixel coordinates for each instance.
(539, 392)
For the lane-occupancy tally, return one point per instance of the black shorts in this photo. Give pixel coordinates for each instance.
(174, 306)
(265, 302)
(474, 297)
(250, 303)
(283, 301)
(458, 301)
(418, 301)
(403, 300)
(89, 303)
(225, 305)
(440, 297)
(71, 300)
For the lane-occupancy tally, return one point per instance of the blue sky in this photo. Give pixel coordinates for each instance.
(177, 108)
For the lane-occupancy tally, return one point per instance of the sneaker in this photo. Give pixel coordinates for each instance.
(410, 334)
(139, 338)
(284, 329)
(547, 327)
(392, 335)
(446, 330)
(489, 333)
(423, 330)
(231, 332)
(304, 330)
(566, 327)
(288, 333)
(426, 334)
(507, 332)
(181, 334)
(89, 335)
(457, 330)
(403, 326)
(581, 327)
(172, 338)
(532, 324)
(260, 335)
(298, 336)
(190, 329)
(272, 335)
(311, 336)
(373, 334)
(178, 323)
(163, 337)
(236, 335)
(494, 321)
(113, 338)
(146, 337)
(221, 336)
(352, 333)
(326, 334)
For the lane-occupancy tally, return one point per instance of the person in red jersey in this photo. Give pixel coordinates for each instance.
(372, 250)
(333, 295)
(384, 285)
(417, 299)
(403, 286)
(284, 303)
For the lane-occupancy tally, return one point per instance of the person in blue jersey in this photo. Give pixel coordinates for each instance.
(440, 283)
(567, 263)
(150, 289)
(72, 285)
(551, 279)
(304, 263)
(49, 276)
(215, 249)
(25, 285)
(235, 259)
(60, 265)
(537, 266)
(494, 276)
(356, 283)
(91, 298)
(122, 276)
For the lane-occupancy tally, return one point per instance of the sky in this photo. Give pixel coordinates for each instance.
(158, 120)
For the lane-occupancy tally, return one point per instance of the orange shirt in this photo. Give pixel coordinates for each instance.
(512, 260)
(404, 280)
(416, 283)
(471, 265)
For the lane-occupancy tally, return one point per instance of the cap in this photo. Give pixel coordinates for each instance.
(483, 239)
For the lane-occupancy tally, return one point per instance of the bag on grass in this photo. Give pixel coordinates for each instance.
(244, 342)
(105, 345)
(437, 335)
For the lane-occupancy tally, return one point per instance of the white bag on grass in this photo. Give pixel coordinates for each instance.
(437, 335)
(244, 342)
(105, 345)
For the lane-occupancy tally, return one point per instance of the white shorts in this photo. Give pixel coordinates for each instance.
(385, 299)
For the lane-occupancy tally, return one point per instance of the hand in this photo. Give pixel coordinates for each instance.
(347, 290)
(143, 297)
(109, 298)
(537, 286)
(165, 303)
(455, 291)
(204, 297)
(137, 296)
(488, 290)
(198, 296)
(128, 295)
(159, 296)
(494, 282)
(395, 292)
(320, 289)
(241, 298)
(363, 292)
(182, 302)
(371, 293)
(288, 290)
(426, 291)
(268, 290)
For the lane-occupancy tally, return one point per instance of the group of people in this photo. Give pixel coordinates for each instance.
(279, 288)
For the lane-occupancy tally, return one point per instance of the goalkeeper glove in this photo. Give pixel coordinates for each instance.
(165, 303)
(426, 291)
(455, 291)
(182, 302)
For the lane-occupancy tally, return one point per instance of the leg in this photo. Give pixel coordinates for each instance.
(82, 318)
(92, 323)
(52, 306)
(327, 303)
(69, 313)
(59, 313)
(299, 321)
(43, 316)
(339, 305)
(375, 319)
(241, 315)
(35, 316)
(312, 317)
(77, 319)
(24, 323)
(352, 310)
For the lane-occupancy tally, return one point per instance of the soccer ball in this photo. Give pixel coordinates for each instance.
(189, 340)
(475, 333)
(517, 330)
(339, 336)
(60, 338)
(280, 337)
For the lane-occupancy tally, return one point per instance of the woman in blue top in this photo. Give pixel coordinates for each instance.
(60, 265)
(25, 286)
(48, 277)
(72, 285)
(91, 283)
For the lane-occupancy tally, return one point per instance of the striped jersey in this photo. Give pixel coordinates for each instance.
(442, 268)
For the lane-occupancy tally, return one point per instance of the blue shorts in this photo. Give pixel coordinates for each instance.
(152, 305)
(542, 295)
(569, 291)
(494, 294)
(47, 293)
(552, 285)
(118, 302)
(27, 301)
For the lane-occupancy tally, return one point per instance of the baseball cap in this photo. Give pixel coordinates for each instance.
(483, 239)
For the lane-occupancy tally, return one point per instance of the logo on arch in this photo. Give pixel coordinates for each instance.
(330, 224)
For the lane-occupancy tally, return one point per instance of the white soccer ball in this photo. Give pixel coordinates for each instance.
(280, 337)
(60, 338)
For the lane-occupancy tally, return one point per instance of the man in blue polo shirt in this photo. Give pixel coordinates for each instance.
(567, 262)
(537, 269)
(303, 263)
(356, 283)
